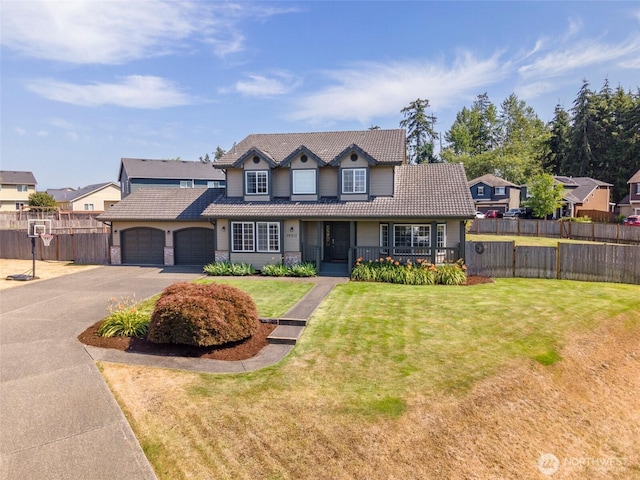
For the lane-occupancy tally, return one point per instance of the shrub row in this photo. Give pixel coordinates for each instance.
(305, 269)
(419, 272)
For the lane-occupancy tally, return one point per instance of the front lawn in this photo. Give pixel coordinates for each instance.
(362, 394)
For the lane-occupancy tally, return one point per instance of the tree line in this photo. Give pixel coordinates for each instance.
(598, 137)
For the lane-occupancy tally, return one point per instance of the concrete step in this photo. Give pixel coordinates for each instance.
(286, 334)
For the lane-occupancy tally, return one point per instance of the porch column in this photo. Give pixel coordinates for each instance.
(434, 241)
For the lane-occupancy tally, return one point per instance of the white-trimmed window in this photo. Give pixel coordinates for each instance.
(411, 236)
(23, 188)
(268, 236)
(255, 237)
(186, 183)
(19, 205)
(354, 180)
(304, 182)
(214, 184)
(500, 191)
(384, 238)
(637, 188)
(242, 236)
(441, 235)
(481, 190)
(257, 182)
(88, 206)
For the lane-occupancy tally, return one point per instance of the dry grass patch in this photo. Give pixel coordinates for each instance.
(435, 387)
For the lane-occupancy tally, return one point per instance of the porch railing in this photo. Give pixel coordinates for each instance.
(311, 253)
(438, 255)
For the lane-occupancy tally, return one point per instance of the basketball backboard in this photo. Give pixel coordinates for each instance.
(38, 226)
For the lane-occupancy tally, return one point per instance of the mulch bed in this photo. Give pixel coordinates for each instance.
(229, 352)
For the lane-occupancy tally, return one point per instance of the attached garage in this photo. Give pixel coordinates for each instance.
(142, 246)
(194, 246)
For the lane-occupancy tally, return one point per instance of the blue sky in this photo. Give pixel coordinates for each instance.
(85, 83)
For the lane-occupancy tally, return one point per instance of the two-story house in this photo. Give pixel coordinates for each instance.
(630, 205)
(136, 173)
(325, 197)
(15, 188)
(494, 193)
(98, 197)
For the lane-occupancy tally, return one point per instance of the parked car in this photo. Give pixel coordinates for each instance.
(513, 213)
(632, 220)
(494, 214)
(479, 215)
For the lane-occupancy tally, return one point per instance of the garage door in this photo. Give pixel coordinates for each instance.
(193, 246)
(142, 246)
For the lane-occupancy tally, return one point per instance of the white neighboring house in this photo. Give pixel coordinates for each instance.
(92, 198)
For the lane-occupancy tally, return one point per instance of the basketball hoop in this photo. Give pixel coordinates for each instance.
(46, 239)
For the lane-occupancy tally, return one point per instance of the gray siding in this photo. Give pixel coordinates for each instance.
(381, 182)
(328, 182)
(234, 183)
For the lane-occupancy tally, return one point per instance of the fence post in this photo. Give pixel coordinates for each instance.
(558, 256)
(513, 259)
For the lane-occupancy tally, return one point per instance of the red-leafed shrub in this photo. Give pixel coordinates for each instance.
(203, 315)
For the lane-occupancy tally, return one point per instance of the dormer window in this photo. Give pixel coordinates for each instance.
(304, 182)
(257, 182)
(354, 180)
(481, 190)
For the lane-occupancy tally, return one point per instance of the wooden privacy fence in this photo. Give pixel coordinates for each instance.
(82, 248)
(594, 232)
(568, 261)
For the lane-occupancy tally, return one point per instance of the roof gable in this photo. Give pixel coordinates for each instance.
(492, 181)
(301, 150)
(252, 153)
(385, 146)
(357, 151)
(71, 195)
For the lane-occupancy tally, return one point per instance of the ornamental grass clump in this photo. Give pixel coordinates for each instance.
(125, 319)
(229, 269)
(420, 272)
(203, 315)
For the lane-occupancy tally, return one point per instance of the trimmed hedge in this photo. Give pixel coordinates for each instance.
(203, 315)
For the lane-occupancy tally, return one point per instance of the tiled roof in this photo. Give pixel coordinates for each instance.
(170, 169)
(8, 177)
(163, 204)
(385, 146)
(492, 181)
(421, 191)
(70, 195)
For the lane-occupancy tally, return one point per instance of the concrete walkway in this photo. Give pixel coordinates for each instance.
(58, 419)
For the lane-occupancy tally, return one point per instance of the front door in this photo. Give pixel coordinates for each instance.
(336, 241)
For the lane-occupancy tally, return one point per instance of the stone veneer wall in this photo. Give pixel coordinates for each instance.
(292, 258)
(222, 255)
(168, 256)
(115, 254)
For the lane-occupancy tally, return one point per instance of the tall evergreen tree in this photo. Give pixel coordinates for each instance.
(559, 143)
(420, 132)
(582, 138)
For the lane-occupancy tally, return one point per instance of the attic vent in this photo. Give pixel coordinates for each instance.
(354, 157)
(303, 159)
(256, 159)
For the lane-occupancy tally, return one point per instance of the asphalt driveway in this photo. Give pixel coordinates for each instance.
(58, 419)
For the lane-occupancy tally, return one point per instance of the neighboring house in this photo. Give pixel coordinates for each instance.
(15, 188)
(98, 197)
(630, 205)
(583, 193)
(494, 193)
(329, 198)
(136, 173)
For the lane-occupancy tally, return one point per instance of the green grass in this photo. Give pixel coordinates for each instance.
(372, 353)
(273, 297)
(523, 240)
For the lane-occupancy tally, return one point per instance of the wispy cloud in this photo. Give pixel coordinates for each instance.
(133, 92)
(273, 85)
(578, 55)
(116, 32)
(370, 90)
